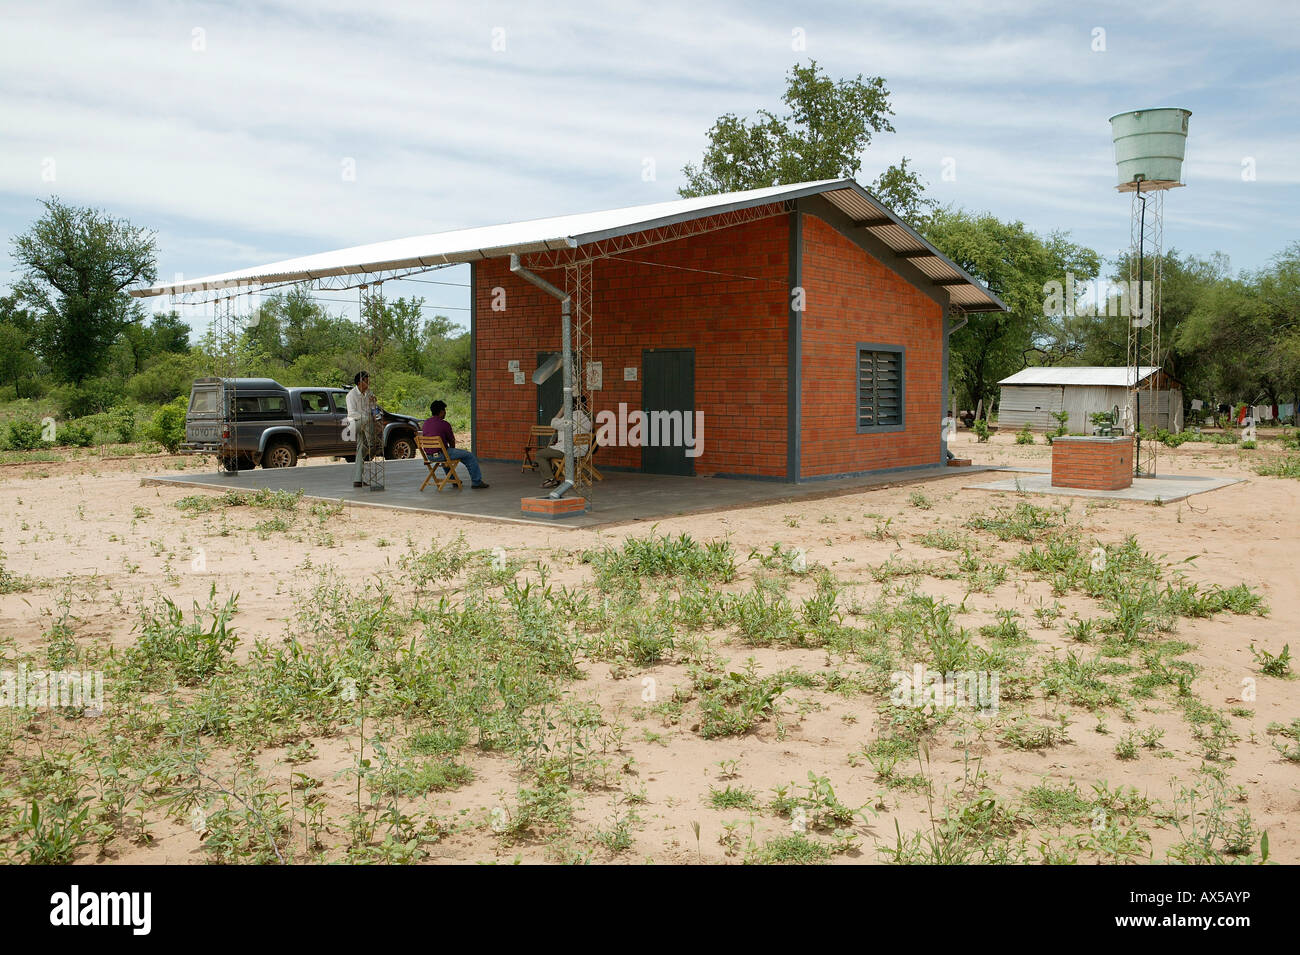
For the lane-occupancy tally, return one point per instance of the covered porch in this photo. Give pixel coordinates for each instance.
(624, 497)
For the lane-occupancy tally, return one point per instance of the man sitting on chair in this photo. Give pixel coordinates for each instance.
(581, 425)
(437, 427)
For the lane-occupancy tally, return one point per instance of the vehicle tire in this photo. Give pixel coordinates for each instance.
(281, 454)
(402, 446)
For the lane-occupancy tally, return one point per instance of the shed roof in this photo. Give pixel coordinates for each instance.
(1101, 375)
(572, 231)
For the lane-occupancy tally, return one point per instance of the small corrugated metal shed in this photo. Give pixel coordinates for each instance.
(1030, 396)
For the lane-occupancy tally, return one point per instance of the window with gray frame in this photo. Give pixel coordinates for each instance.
(880, 387)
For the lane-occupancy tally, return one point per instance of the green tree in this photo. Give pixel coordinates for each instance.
(823, 135)
(18, 364)
(1019, 266)
(1279, 288)
(1240, 336)
(169, 333)
(77, 262)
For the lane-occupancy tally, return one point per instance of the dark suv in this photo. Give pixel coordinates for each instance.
(275, 425)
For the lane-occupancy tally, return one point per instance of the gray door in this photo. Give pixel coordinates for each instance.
(550, 393)
(668, 400)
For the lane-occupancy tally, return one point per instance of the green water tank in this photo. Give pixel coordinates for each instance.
(1149, 145)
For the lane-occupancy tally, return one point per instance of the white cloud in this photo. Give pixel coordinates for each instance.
(234, 152)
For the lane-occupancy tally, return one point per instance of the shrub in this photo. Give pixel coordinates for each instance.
(95, 396)
(1062, 420)
(168, 424)
(1024, 435)
(74, 436)
(167, 377)
(116, 426)
(25, 434)
(981, 429)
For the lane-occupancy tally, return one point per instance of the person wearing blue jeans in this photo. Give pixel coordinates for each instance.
(436, 426)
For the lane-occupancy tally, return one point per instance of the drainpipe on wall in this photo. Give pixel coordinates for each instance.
(566, 358)
(948, 455)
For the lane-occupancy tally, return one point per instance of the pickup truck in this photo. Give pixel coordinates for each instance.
(275, 425)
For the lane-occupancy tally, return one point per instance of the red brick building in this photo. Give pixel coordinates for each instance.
(805, 327)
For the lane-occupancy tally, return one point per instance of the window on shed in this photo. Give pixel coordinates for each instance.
(880, 388)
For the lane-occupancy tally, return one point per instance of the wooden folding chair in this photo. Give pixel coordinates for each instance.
(436, 458)
(539, 436)
(584, 445)
(587, 463)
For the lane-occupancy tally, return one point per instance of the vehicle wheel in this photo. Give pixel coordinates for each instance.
(279, 455)
(403, 446)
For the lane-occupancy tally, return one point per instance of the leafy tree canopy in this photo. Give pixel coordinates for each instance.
(77, 263)
(827, 127)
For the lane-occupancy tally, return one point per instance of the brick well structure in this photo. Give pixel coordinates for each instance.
(1100, 464)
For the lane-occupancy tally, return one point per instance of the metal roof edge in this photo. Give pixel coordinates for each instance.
(714, 210)
(995, 299)
(240, 278)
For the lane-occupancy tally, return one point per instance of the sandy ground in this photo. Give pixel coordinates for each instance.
(93, 530)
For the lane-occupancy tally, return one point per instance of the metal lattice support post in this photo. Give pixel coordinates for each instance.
(225, 361)
(578, 280)
(1144, 268)
(372, 342)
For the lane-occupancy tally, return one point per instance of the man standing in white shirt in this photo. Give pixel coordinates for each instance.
(360, 418)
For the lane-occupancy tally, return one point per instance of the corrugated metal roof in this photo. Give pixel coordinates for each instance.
(573, 231)
(1106, 376)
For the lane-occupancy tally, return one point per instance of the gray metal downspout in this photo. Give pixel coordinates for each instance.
(947, 384)
(566, 357)
(794, 356)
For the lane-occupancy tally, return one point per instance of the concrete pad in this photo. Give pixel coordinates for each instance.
(1166, 488)
(622, 497)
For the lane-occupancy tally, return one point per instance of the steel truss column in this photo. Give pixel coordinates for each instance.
(1145, 263)
(225, 331)
(371, 317)
(578, 284)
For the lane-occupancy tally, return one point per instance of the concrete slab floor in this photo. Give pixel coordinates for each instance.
(622, 497)
(1166, 488)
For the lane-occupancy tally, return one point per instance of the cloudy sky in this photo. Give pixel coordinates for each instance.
(249, 132)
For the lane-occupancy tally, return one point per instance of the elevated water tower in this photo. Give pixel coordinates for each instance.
(1149, 149)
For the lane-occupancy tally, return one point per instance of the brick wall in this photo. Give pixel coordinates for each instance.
(852, 298)
(669, 296)
(1104, 464)
(736, 323)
